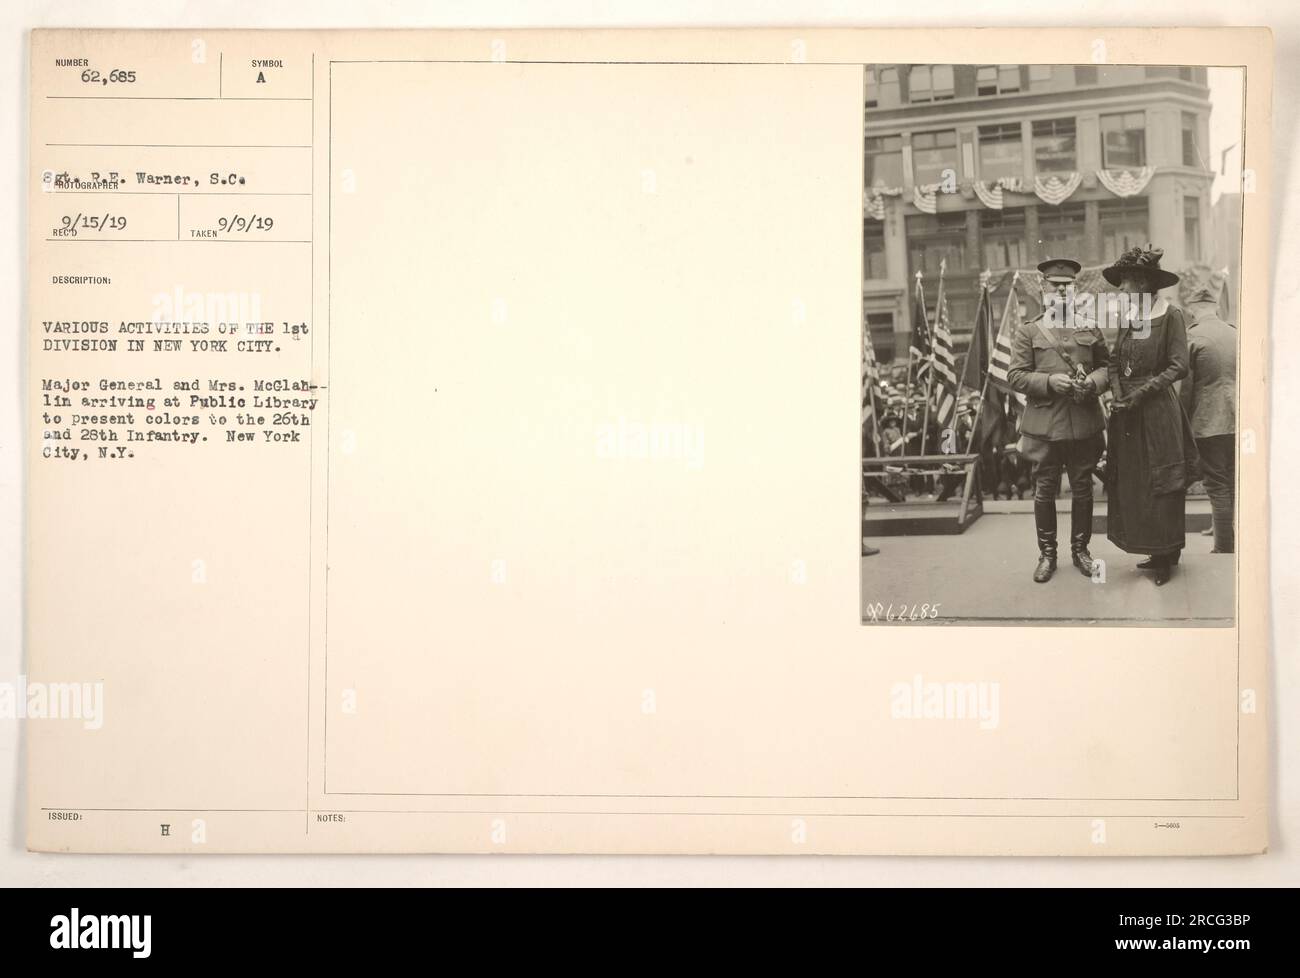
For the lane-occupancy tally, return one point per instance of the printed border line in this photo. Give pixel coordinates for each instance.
(311, 461)
(329, 373)
(477, 812)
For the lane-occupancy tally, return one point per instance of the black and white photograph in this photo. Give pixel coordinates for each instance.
(1051, 259)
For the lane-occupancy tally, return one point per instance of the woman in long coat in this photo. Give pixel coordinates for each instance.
(1151, 452)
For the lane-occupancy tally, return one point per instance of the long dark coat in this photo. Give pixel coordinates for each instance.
(1151, 453)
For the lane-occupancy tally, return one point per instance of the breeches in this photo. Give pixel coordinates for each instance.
(1077, 458)
(1219, 474)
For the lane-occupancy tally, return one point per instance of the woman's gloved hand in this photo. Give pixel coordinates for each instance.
(1136, 396)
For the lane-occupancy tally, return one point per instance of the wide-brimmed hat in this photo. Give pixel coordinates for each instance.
(1146, 263)
(1062, 269)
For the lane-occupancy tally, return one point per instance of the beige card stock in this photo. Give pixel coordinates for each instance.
(451, 442)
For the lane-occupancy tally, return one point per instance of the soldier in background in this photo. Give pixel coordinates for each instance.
(1209, 396)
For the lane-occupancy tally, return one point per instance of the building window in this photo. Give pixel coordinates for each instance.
(1191, 229)
(1085, 74)
(1187, 74)
(1060, 231)
(1001, 151)
(942, 80)
(884, 161)
(930, 83)
(918, 84)
(888, 92)
(1123, 226)
(880, 326)
(1003, 236)
(933, 239)
(932, 154)
(1121, 75)
(1054, 148)
(873, 238)
(1190, 156)
(1040, 77)
(961, 315)
(997, 79)
(1124, 139)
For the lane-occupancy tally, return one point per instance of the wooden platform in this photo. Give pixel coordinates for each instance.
(923, 517)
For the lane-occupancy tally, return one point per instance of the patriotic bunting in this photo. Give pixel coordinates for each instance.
(1126, 183)
(1051, 188)
(990, 194)
(874, 200)
(925, 198)
(1054, 190)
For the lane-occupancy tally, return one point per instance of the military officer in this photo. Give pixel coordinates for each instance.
(1058, 361)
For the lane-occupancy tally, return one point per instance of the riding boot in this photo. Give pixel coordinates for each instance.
(1081, 534)
(1045, 526)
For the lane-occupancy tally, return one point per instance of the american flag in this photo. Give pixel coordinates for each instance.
(1000, 360)
(870, 377)
(945, 361)
(870, 389)
(919, 350)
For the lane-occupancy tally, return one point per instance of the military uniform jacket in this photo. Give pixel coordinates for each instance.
(1049, 415)
(1209, 391)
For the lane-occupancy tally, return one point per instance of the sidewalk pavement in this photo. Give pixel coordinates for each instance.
(984, 576)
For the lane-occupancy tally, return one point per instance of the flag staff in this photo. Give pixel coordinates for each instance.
(918, 297)
(925, 419)
(979, 412)
(907, 398)
(929, 480)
